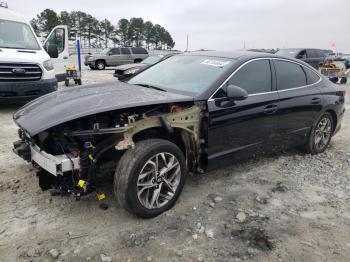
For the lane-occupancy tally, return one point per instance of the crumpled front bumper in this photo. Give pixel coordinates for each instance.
(55, 165)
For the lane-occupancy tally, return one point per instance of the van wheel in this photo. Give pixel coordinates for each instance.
(320, 135)
(149, 178)
(137, 60)
(100, 65)
(66, 82)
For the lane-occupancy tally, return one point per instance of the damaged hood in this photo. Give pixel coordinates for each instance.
(61, 106)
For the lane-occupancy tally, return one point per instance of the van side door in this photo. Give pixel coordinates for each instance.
(59, 37)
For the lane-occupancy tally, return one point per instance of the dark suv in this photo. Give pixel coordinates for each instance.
(312, 56)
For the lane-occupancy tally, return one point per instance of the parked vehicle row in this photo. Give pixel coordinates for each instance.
(190, 113)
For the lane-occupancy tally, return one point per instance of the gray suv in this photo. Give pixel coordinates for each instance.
(115, 57)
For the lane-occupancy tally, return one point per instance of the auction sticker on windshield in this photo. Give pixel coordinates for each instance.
(215, 63)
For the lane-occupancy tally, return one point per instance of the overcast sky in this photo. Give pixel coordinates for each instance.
(224, 24)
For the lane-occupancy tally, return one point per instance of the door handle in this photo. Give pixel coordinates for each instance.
(270, 109)
(315, 100)
(65, 57)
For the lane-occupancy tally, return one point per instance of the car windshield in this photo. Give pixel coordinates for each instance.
(287, 52)
(184, 73)
(17, 36)
(152, 59)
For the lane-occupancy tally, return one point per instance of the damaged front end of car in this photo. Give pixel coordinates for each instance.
(77, 156)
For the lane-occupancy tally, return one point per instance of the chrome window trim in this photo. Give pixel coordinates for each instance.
(275, 91)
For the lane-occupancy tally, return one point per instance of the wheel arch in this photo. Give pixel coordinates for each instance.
(101, 59)
(334, 117)
(180, 137)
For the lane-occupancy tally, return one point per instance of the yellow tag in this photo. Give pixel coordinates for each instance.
(101, 196)
(81, 183)
(91, 157)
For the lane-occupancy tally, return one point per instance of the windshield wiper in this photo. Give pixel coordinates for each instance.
(150, 86)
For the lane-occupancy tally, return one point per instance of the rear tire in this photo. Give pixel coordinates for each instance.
(66, 82)
(100, 64)
(149, 178)
(320, 135)
(137, 60)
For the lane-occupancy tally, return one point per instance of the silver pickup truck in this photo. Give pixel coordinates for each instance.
(115, 57)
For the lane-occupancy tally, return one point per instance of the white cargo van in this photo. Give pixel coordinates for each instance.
(28, 69)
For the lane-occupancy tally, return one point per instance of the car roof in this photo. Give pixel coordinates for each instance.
(223, 54)
(11, 15)
(237, 55)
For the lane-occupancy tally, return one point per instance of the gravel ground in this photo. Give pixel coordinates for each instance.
(284, 207)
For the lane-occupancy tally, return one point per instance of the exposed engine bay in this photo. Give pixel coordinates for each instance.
(75, 156)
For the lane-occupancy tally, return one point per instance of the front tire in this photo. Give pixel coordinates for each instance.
(149, 178)
(100, 65)
(320, 135)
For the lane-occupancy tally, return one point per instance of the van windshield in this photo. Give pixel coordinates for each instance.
(17, 36)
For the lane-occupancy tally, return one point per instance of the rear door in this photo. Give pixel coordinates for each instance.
(300, 100)
(125, 56)
(59, 37)
(248, 123)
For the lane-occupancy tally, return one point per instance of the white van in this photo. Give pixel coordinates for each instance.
(27, 69)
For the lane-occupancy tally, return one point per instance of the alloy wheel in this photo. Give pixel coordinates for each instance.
(323, 133)
(158, 180)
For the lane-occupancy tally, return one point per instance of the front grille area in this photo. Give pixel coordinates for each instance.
(18, 72)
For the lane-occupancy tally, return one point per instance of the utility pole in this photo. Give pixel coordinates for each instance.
(187, 44)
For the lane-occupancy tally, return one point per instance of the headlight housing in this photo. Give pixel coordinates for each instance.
(48, 65)
(131, 71)
(90, 58)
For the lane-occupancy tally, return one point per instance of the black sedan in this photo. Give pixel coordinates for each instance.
(124, 72)
(190, 113)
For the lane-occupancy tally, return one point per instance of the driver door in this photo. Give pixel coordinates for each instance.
(59, 37)
(249, 123)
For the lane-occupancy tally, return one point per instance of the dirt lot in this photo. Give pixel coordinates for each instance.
(285, 207)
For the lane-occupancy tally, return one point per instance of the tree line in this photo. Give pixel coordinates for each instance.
(98, 34)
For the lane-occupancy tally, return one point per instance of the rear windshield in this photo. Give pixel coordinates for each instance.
(17, 36)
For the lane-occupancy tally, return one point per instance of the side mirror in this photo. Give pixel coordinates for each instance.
(109, 53)
(52, 50)
(233, 93)
(236, 93)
